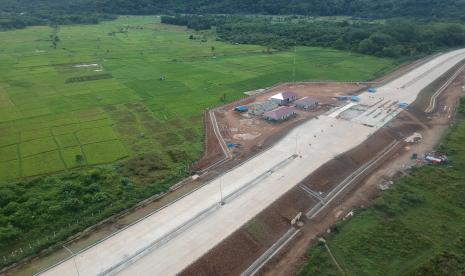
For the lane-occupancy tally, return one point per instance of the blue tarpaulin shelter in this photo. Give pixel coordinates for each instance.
(355, 98)
(403, 105)
(241, 108)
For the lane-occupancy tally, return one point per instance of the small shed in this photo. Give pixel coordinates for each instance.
(279, 114)
(283, 98)
(307, 103)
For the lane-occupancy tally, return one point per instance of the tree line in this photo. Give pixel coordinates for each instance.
(20, 13)
(387, 38)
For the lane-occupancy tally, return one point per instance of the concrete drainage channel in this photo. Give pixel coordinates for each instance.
(260, 262)
(200, 216)
(351, 179)
(432, 103)
(323, 202)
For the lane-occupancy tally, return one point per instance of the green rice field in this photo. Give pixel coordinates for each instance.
(132, 86)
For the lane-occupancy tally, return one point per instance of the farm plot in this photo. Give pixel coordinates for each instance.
(104, 94)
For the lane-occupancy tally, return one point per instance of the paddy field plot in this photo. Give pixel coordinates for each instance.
(132, 86)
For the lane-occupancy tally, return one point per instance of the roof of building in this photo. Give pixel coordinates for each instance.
(284, 95)
(265, 106)
(280, 112)
(306, 101)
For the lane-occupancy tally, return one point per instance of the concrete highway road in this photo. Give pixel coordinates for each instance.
(167, 241)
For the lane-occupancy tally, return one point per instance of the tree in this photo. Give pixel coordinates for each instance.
(450, 35)
(223, 98)
(79, 159)
(381, 39)
(367, 46)
(8, 233)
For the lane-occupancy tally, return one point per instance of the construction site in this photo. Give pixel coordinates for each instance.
(269, 246)
(269, 184)
(247, 133)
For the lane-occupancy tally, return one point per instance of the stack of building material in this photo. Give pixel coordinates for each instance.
(260, 108)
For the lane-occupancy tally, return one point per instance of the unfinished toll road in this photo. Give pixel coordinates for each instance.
(167, 241)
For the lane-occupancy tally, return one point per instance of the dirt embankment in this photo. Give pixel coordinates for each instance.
(212, 151)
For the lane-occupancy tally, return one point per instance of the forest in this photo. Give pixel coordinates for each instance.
(21, 13)
(390, 38)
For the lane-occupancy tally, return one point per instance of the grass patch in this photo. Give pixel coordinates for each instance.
(37, 146)
(415, 228)
(8, 139)
(93, 135)
(67, 140)
(65, 129)
(104, 152)
(70, 156)
(320, 256)
(9, 153)
(35, 134)
(9, 170)
(89, 78)
(42, 163)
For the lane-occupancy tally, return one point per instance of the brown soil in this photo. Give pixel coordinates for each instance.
(212, 151)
